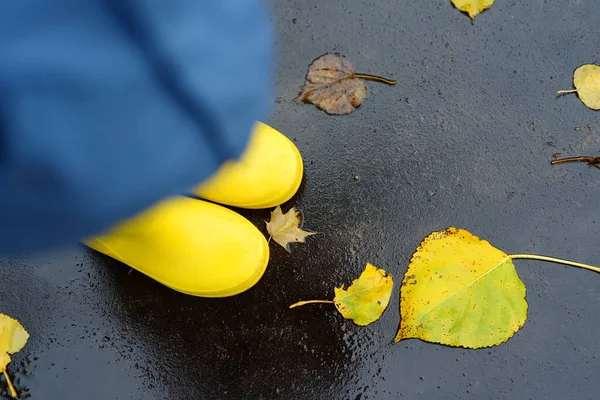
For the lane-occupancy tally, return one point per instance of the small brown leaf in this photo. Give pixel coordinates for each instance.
(332, 85)
(284, 228)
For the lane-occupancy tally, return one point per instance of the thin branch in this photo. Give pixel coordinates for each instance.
(594, 161)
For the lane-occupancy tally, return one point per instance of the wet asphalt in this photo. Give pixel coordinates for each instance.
(464, 139)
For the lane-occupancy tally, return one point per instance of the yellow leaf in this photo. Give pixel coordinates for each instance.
(284, 228)
(586, 80)
(367, 298)
(472, 7)
(13, 338)
(461, 291)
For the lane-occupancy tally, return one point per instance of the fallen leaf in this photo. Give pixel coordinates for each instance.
(365, 300)
(285, 228)
(13, 338)
(592, 161)
(332, 85)
(461, 291)
(586, 80)
(472, 7)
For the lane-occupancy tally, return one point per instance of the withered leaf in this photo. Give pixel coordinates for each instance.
(332, 85)
(285, 228)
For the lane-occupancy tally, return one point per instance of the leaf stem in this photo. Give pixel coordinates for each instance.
(302, 303)
(566, 91)
(593, 161)
(375, 78)
(13, 391)
(569, 159)
(554, 260)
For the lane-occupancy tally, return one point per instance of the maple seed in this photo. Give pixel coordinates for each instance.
(592, 161)
(285, 228)
(333, 86)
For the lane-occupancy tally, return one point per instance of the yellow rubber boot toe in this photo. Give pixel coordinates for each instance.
(269, 173)
(189, 245)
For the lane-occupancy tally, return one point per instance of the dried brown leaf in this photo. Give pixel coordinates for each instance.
(333, 86)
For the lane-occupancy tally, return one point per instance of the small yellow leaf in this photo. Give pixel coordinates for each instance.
(461, 291)
(472, 7)
(285, 228)
(13, 338)
(367, 298)
(586, 80)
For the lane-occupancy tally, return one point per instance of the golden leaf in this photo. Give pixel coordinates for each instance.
(365, 300)
(285, 228)
(459, 290)
(586, 80)
(332, 85)
(472, 7)
(13, 338)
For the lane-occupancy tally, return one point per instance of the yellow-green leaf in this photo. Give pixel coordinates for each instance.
(367, 298)
(285, 228)
(461, 291)
(13, 338)
(472, 7)
(586, 80)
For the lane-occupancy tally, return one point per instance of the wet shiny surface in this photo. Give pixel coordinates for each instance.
(464, 139)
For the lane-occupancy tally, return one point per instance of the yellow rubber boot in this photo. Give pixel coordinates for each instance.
(268, 174)
(189, 245)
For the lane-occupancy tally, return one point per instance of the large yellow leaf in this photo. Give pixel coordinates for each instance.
(586, 80)
(365, 300)
(472, 7)
(461, 291)
(13, 338)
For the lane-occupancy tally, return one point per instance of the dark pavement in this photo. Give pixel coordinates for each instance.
(464, 139)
